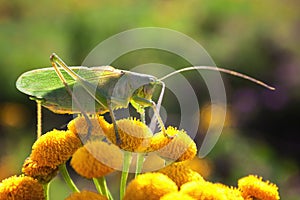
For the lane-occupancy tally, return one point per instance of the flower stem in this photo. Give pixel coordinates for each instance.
(140, 161)
(126, 165)
(46, 190)
(140, 156)
(64, 172)
(101, 186)
(97, 185)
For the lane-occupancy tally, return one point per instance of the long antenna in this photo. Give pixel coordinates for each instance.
(227, 71)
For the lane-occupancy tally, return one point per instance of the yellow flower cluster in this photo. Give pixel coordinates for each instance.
(136, 136)
(190, 185)
(99, 157)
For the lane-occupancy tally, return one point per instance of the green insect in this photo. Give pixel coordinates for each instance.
(108, 87)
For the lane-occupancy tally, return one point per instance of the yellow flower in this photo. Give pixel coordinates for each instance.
(177, 196)
(80, 126)
(160, 140)
(180, 173)
(179, 148)
(86, 195)
(96, 159)
(21, 187)
(231, 193)
(54, 148)
(42, 173)
(134, 135)
(150, 186)
(253, 186)
(203, 190)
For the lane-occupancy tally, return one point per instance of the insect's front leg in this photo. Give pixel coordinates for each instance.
(113, 119)
(149, 103)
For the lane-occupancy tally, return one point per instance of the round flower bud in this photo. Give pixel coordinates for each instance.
(254, 187)
(134, 135)
(179, 148)
(43, 174)
(150, 186)
(203, 190)
(80, 126)
(180, 173)
(96, 159)
(21, 187)
(54, 148)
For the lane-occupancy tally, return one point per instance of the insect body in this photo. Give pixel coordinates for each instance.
(109, 88)
(108, 85)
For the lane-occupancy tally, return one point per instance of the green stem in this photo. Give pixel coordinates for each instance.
(46, 190)
(97, 185)
(64, 172)
(139, 164)
(140, 156)
(126, 165)
(101, 187)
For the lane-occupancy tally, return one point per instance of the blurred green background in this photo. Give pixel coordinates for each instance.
(260, 38)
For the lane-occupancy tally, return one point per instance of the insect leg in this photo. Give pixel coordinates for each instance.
(113, 119)
(146, 102)
(159, 120)
(89, 88)
(63, 80)
(158, 105)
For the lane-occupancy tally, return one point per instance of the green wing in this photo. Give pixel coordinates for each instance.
(44, 84)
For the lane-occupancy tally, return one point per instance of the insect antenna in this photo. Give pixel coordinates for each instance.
(227, 71)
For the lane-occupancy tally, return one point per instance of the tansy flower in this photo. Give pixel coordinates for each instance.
(86, 195)
(21, 187)
(231, 193)
(96, 159)
(180, 173)
(54, 148)
(179, 148)
(177, 196)
(80, 126)
(42, 173)
(150, 186)
(254, 187)
(203, 190)
(134, 135)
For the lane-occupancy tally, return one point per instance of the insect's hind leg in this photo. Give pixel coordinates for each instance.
(63, 80)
